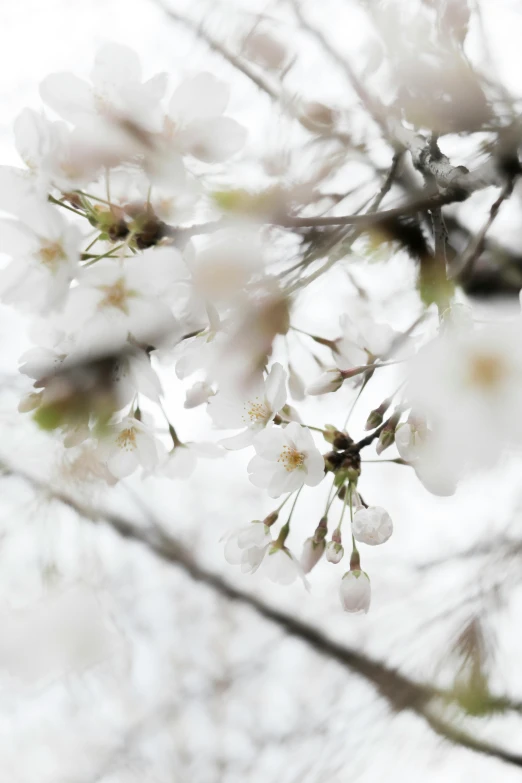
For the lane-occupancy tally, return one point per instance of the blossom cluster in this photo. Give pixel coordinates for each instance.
(111, 250)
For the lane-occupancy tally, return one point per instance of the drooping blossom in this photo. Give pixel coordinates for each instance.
(372, 525)
(248, 545)
(355, 592)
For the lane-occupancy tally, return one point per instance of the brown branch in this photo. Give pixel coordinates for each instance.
(398, 690)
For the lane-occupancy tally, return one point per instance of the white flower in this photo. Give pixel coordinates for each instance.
(182, 460)
(48, 150)
(199, 393)
(311, 554)
(296, 385)
(44, 249)
(248, 545)
(361, 341)
(410, 438)
(128, 296)
(372, 525)
(117, 90)
(467, 384)
(265, 400)
(286, 459)
(329, 381)
(129, 445)
(334, 552)
(222, 270)
(281, 567)
(132, 373)
(195, 124)
(355, 592)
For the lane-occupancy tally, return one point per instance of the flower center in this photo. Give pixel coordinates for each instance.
(291, 458)
(486, 371)
(127, 439)
(116, 295)
(51, 255)
(256, 411)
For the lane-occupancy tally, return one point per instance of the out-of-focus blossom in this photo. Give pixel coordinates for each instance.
(265, 49)
(248, 545)
(286, 458)
(355, 592)
(361, 341)
(116, 298)
(182, 460)
(198, 394)
(329, 381)
(45, 251)
(372, 525)
(116, 90)
(467, 384)
(195, 124)
(266, 398)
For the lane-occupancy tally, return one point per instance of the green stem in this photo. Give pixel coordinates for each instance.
(59, 203)
(105, 255)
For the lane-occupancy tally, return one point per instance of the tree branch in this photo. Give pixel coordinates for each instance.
(398, 690)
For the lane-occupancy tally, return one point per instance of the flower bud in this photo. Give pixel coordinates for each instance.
(372, 526)
(334, 552)
(387, 436)
(376, 416)
(355, 592)
(329, 381)
(339, 440)
(312, 553)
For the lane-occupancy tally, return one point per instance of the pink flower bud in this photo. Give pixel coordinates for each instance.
(355, 592)
(312, 553)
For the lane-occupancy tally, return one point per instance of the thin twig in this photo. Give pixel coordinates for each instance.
(398, 690)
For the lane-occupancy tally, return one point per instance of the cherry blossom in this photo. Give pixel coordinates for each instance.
(116, 90)
(334, 552)
(329, 381)
(44, 252)
(361, 341)
(355, 592)
(410, 438)
(128, 445)
(266, 398)
(127, 296)
(280, 566)
(248, 545)
(198, 394)
(182, 460)
(467, 383)
(312, 552)
(286, 458)
(195, 124)
(372, 525)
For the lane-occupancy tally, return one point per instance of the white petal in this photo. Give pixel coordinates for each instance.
(201, 97)
(69, 96)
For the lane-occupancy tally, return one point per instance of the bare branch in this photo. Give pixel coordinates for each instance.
(399, 691)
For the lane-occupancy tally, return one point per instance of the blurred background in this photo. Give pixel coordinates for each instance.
(117, 666)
